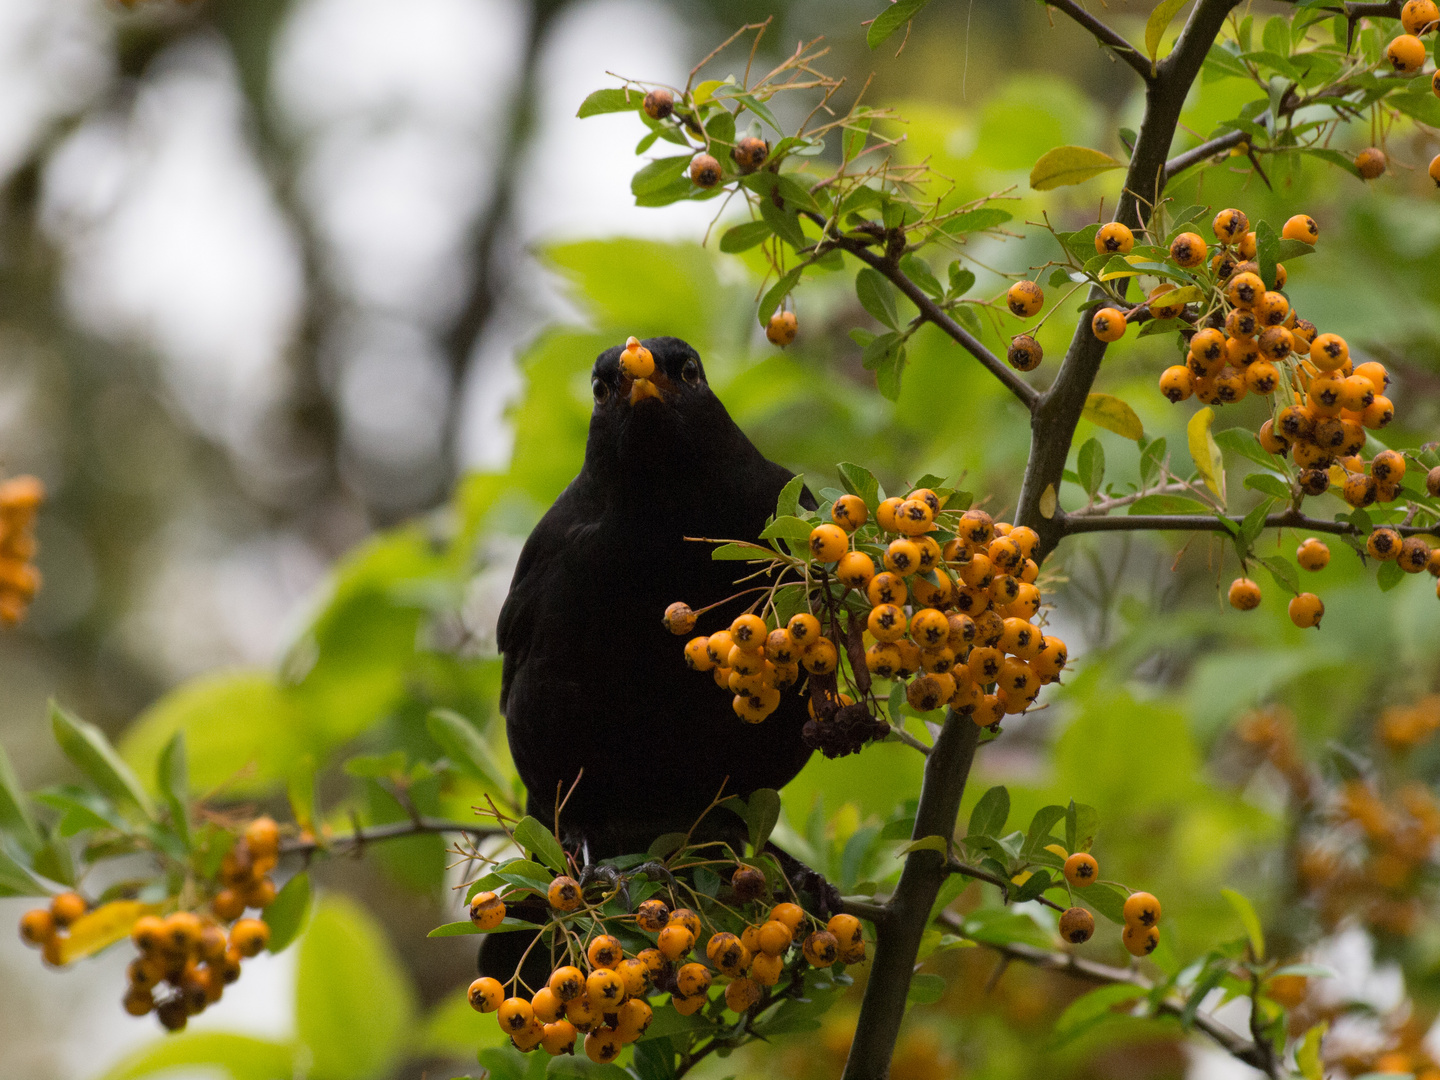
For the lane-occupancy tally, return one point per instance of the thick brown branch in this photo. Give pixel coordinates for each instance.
(907, 914)
(1106, 36)
(1290, 519)
(1069, 964)
(933, 313)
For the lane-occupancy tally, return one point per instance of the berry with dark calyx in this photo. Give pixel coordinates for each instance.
(855, 569)
(1081, 869)
(1176, 383)
(1140, 940)
(1388, 465)
(1076, 925)
(1301, 227)
(1371, 163)
(1162, 308)
(678, 618)
(1114, 239)
(486, 994)
(1025, 299)
(605, 987)
(1108, 324)
(748, 883)
(1189, 250)
(567, 983)
(659, 103)
(1230, 225)
(67, 907)
(741, 994)
(750, 153)
(1414, 555)
(675, 941)
(1383, 544)
(1406, 54)
(559, 1038)
(849, 512)
(605, 951)
(820, 949)
(782, 327)
(487, 910)
(138, 1001)
(1419, 16)
(1141, 909)
(172, 1014)
(1314, 481)
(1024, 353)
(564, 894)
(828, 543)
(705, 171)
(37, 926)
(1244, 594)
(249, 936)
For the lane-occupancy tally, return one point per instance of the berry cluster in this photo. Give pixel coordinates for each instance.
(187, 958)
(20, 498)
(938, 600)
(1141, 911)
(601, 986)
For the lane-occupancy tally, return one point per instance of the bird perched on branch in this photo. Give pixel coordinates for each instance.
(592, 679)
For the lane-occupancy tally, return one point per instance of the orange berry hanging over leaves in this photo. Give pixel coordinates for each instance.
(782, 328)
(849, 512)
(704, 171)
(828, 543)
(1140, 940)
(1306, 610)
(1406, 54)
(1312, 554)
(605, 952)
(1024, 353)
(1141, 909)
(486, 994)
(1025, 299)
(1419, 16)
(750, 153)
(637, 361)
(567, 983)
(1176, 383)
(1114, 239)
(1301, 227)
(487, 910)
(1371, 163)
(1108, 324)
(855, 569)
(1081, 869)
(1230, 225)
(749, 632)
(564, 894)
(659, 104)
(678, 618)
(1244, 594)
(1076, 925)
(1189, 250)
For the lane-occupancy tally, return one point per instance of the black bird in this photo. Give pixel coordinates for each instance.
(592, 679)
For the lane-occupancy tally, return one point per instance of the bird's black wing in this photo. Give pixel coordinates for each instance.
(575, 514)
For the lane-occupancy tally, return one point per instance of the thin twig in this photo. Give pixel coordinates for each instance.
(1106, 36)
(421, 826)
(1290, 519)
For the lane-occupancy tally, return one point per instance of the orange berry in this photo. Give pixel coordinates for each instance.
(1230, 225)
(902, 557)
(1176, 383)
(1245, 290)
(515, 1014)
(37, 926)
(487, 910)
(1306, 610)
(67, 907)
(605, 988)
(741, 994)
(782, 328)
(1140, 940)
(1115, 239)
(804, 628)
(1076, 925)
(704, 171)
(1108, 324)
(1024, 353)
(696, 654)
(1301, 227)
(821, 949)
(675, 941)
(1371, 163)
(262, 837)
(249, 936)
(1025, 298)
(659, 104)
(558, 1038)
(564, 894)
(1406, 54)
(566, 983)
(849, 512)
(1081, 869)
(774, 937)
(1312, 554)
(1189, 250)
(1418, 16)
(678, 618)
(605, 951)
(1244, 594)
(485, 994)
(1141, 909)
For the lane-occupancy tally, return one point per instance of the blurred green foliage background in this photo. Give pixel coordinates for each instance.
(414, 568)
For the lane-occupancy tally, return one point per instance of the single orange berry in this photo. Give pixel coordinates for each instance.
(1025, 299)
(704, 171)
(249, 936)
(849, 512)
(828, 543)
(67, 907)
(1313, 554)
(782, 328)
(1230, 225)
(1370, 163)
(1108, 324)
(1306, 610)
(1141, 909)
(1114, 239)
(1140, 940)
(1406, 54)
(564, 894)
(1081, 869)
(1076, 925)
(487, 910)
(1244, 594)
(678, 618)
(486, 994)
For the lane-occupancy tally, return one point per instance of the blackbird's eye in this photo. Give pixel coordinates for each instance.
(599, 389)
(691, 373)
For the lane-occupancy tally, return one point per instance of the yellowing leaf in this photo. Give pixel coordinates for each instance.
(706, 90)
(1158, 23)
(1248, 919)
(1049, 502)
(1113, 274)
(1109, 412)
(1069, 165)
(1022, 877)
(1058, 850)
(1186, 294)
(1205, 453)
(98, 929)
(925, 843)
(1307, 1057)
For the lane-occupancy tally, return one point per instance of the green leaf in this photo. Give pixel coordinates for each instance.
(918, 271)
(977, 220)
(891, 19)
(788, 528)
(667, 844)
(610, 101)
(745, 236)
(761, 815)
(877, 296)
(1090, 466)
(465, 748)
(1066, 165)
(1282, 571)
(1389, 575)
(854, 140)
(659, 174)
(1081, 822)
(1267, 246)
(1112, 414)
(962, 279)
(286, 913)
(925, 843)
(860, 481)
(1249, 920)
(1307, 1054)
(15, 815)
(741, 553)
(86, 746)
(1253, 523)
(1168, 504)
(1038, 834)
(1268, 484)
(788, 502)
(1034, 885)
(466, 927)
(777, 292)
(785, 223)
(1152, 455)
(925, 989)
(1159, 21)
(540, 842)
(1204, 451)
(235, 1057)
(353, 1002)
(173, 780)
(988, 817)
(1108, 900)
(1091, 1009)
(300, 787)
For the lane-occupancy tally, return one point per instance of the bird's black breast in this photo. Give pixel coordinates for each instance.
(593, 680)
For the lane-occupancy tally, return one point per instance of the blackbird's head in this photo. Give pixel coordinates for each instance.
(644, 424)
